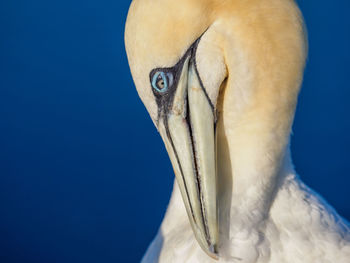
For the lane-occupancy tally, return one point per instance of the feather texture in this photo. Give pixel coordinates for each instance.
(251, 60)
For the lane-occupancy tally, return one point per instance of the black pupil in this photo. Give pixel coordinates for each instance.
(160, 82)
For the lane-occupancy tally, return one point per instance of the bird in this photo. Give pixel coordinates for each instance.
(220, 80)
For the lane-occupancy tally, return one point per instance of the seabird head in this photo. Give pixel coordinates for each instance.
(176, 56)
(163, 42)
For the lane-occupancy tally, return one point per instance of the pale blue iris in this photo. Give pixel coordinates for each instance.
(155, 79)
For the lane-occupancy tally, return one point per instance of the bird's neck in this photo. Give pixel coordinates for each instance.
(243, 194)
(251, 168)
(232, 204)
(252, 150)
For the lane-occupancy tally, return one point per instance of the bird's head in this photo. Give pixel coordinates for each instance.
(177, 60)
(171, 73)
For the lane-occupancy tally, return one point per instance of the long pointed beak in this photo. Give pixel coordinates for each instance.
(188, 131)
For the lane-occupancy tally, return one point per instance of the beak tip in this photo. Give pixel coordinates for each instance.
(213, 252)
(212, 249)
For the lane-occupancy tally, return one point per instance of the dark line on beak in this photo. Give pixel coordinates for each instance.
(179, 164)
(164, 102)
(194, 61)
(196, 171)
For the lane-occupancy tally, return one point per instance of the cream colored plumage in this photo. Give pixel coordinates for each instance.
(250, 59)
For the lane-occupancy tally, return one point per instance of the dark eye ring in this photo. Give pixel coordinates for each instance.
(161, 81)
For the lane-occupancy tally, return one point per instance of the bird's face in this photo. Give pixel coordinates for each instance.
(178, 73)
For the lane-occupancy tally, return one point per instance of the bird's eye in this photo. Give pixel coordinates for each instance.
(161, 81)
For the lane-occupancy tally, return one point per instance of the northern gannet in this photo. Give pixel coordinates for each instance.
(220, 80)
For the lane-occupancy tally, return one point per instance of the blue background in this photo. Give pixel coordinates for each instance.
(77, 149)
